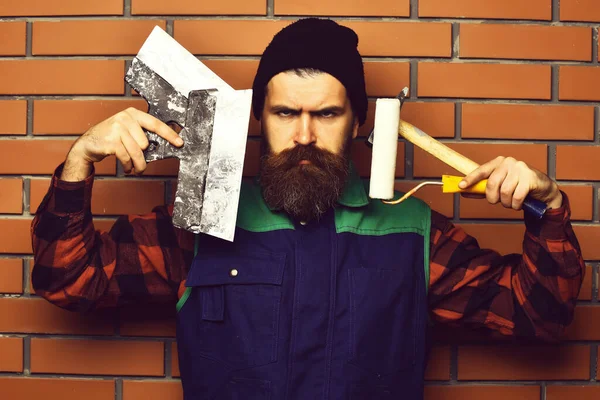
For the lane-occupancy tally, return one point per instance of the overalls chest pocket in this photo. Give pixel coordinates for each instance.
(236, 301)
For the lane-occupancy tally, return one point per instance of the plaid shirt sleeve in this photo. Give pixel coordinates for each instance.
(531, 294)
(143, 258)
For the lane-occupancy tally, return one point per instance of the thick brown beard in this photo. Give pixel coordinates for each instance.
(305, 192)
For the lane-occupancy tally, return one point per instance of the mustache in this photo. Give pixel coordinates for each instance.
(291, 158)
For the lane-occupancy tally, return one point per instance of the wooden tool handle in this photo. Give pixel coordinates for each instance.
(436, 149)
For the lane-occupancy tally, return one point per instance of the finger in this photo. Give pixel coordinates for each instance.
(155, 125)
(519, 195)
(136, 131)
(134, 151)
(480, 173)
(494, 182)
(507, 189)
(123, 156)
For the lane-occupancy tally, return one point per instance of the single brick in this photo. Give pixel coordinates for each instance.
(580, 10)
(354, 8)
(91, 37)
(64, 117)
(577, 162)
(15, 236)
(97, 357)
(27, 388)
(470, 392)
(42, 157)
(12, 355)
(14, 117)
(11, 275)
(579, 83)
(525, 42)
(30, 8)
(527, 121)
(54, 77)
(475, 80)
(12, 38)
(194, 7)
(527, 362)
(36, 315)
(11, 195)
(506, 9)
(152, 390)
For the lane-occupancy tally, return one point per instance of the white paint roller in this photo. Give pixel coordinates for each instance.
(385, 147)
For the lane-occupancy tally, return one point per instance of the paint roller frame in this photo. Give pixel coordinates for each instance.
(451, 157)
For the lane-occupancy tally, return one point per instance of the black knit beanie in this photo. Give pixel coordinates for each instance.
(316, 43)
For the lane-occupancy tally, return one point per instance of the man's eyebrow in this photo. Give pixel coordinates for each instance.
(327, 109)
(281, 107)
(330, 109)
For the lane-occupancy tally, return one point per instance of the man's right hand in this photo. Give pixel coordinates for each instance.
(121, 135)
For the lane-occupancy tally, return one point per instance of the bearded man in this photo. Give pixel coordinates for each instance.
(324, 294)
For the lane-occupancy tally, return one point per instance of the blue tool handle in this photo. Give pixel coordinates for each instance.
(535, 207)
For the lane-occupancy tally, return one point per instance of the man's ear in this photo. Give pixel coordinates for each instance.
(355, 128)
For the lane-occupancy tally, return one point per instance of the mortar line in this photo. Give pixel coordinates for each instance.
(170, 27)
(554, 82)
(458, 120)
(270, 8)
(128, 88)
(551, 160)
(595, 206)
(168, 185)
(168, 358)
(593, 362)
(25, 265)
(454, 364)
(595, 46)
(127, 8)
(455, 41)
(27, 356)
(28, 39)
(414, 9)
(413, 81)
(555, 11)
(409, 156)
(596, 124)
(26, 197)
(543, 391)
(595, 282)
(119, 389)
(29, 118)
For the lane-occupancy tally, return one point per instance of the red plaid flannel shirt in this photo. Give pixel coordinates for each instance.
(144, 258)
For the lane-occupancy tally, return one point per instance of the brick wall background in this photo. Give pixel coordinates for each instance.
(495, 77)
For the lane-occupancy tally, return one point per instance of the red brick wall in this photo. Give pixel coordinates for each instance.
(510, 77)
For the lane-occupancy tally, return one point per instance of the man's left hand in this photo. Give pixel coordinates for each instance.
(510, 181)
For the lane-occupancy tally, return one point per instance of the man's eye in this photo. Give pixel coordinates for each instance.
(328, 114)
(284, 113)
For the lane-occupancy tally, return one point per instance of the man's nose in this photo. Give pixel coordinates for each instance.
(305, 132)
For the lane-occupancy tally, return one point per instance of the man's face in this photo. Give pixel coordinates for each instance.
(308, 125)
(308, 110)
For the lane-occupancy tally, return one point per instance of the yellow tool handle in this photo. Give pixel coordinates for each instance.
(450, 185)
